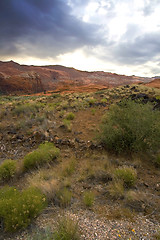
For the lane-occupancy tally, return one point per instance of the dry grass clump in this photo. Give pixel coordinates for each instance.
(64, 196)
(67, 229)
(88, 198)
(68, 168)
(116, 189)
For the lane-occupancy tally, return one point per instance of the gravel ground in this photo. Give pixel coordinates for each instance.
(94, 228)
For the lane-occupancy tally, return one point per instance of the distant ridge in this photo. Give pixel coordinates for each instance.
(16, 78)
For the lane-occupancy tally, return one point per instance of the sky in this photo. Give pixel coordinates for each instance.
(119, 36)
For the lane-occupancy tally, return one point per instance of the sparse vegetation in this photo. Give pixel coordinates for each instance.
(86, 174)
(18, 208)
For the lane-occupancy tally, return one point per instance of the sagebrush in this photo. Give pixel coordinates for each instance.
(131, 127)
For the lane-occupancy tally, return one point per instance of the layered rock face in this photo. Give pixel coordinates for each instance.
(16, 78)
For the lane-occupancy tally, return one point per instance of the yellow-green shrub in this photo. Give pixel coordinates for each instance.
(126, 174)
(45, 153)
(70, 116)
(18, 208)
(7, 169)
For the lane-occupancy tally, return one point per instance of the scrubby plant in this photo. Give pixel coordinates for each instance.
(158, 160)
(88, 198)
(7, 169)
(64, 197)
(67, 229)
(45, 153)
(26, 108)
(18, 208)
(67, 124)
(116, 189)
(104, 100)
(70, 116)
(126, 174)
(91, 101)
(131, 127)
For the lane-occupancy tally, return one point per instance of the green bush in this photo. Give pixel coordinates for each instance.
(67, 229)
(70, 116)
(18, 208)
(131, 127)
(7, 169)
(88, 198)
(45, 153)
(126, 174)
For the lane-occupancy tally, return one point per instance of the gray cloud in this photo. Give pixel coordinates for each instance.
(42, 28)
(149, 7)
(138, 50)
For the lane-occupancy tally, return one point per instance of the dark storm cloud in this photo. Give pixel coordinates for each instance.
(42, 28)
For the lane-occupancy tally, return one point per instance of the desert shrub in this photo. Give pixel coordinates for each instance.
(126, 174)
(91, 101)
(7, 169)
(131, 127)
(116, 189)
(18, 208)
(67, 124)
(64, 197)
(45, 153)
(104, 100)
(70, 116)
(88, 198)
(67, 229)
(158, 160)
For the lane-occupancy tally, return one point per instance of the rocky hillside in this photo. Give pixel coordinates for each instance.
(16, 78)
